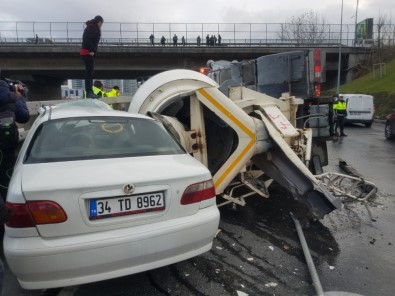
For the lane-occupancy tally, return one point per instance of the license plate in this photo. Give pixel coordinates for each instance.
(355, 113)
(126, 205)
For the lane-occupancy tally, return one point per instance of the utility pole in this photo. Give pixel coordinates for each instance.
(340, 51)
(356, 23)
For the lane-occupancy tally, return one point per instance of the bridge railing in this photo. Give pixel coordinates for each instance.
(233, 34)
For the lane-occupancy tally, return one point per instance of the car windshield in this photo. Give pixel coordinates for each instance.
(99, 137)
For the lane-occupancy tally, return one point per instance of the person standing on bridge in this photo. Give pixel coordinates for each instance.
(175, 39)
(151, 39)
(163, 40)
(90, 41)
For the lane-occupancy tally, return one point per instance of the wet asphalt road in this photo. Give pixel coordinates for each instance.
(257, 250)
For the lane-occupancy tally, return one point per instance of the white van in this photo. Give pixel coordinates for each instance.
(360, 108)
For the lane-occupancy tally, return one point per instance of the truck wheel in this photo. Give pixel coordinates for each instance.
(388, 132)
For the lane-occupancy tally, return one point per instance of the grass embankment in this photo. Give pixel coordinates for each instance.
(382, 89)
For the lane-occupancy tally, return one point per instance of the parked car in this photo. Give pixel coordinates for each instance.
(99, 194)
(389, 130)
(360, 108)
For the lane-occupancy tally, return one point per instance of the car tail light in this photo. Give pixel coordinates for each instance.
(19, 216)
(198, 192)
(35, 213)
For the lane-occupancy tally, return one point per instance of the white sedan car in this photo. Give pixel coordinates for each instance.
(99, 194)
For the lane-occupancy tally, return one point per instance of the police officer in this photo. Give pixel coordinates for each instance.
(98, 90)
(13, 109)
(114, 92)
(340, 110)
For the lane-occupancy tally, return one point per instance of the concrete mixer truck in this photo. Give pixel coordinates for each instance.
(247, 139)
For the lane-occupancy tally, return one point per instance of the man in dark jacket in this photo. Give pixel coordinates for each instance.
(13, 110)
(90, 41)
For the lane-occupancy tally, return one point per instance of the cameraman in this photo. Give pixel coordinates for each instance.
(13, 109)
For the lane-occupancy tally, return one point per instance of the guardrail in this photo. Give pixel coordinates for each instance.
(232, 34)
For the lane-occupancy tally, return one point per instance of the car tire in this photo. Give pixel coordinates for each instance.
(388, 132)
(368, 124)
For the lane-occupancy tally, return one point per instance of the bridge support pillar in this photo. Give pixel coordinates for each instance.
(42, 88)
(355, 67)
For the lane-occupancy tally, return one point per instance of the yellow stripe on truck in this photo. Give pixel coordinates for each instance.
(245, 129)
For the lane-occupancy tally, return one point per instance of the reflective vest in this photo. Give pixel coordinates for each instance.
(98, 91)
(113, 93)
(340, 107)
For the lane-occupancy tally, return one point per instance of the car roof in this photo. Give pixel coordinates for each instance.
(71, 111)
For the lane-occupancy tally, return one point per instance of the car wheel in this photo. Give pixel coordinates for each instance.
(368, 124)
(388, 131)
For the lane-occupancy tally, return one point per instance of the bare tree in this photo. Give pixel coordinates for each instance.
(308, 28)
(385, 33)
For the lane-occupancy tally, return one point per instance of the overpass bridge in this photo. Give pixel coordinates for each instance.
(52, 56)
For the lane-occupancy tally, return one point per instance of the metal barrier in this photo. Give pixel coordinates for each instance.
(354, 187)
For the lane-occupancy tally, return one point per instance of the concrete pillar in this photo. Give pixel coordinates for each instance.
(44, 88)
(353, 67)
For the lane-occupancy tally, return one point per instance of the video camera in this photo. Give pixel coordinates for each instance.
(12, 84)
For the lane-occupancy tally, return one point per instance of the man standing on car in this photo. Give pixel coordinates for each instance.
(340, 110)
(90, 41)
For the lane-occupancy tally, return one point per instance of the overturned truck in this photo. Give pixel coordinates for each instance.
(246, 138)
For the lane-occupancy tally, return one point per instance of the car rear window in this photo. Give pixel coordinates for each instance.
(99, 137)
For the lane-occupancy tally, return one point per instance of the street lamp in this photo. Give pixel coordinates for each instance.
(356, 22)
(340, 51)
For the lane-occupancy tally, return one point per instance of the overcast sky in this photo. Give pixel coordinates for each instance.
(193, 11)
